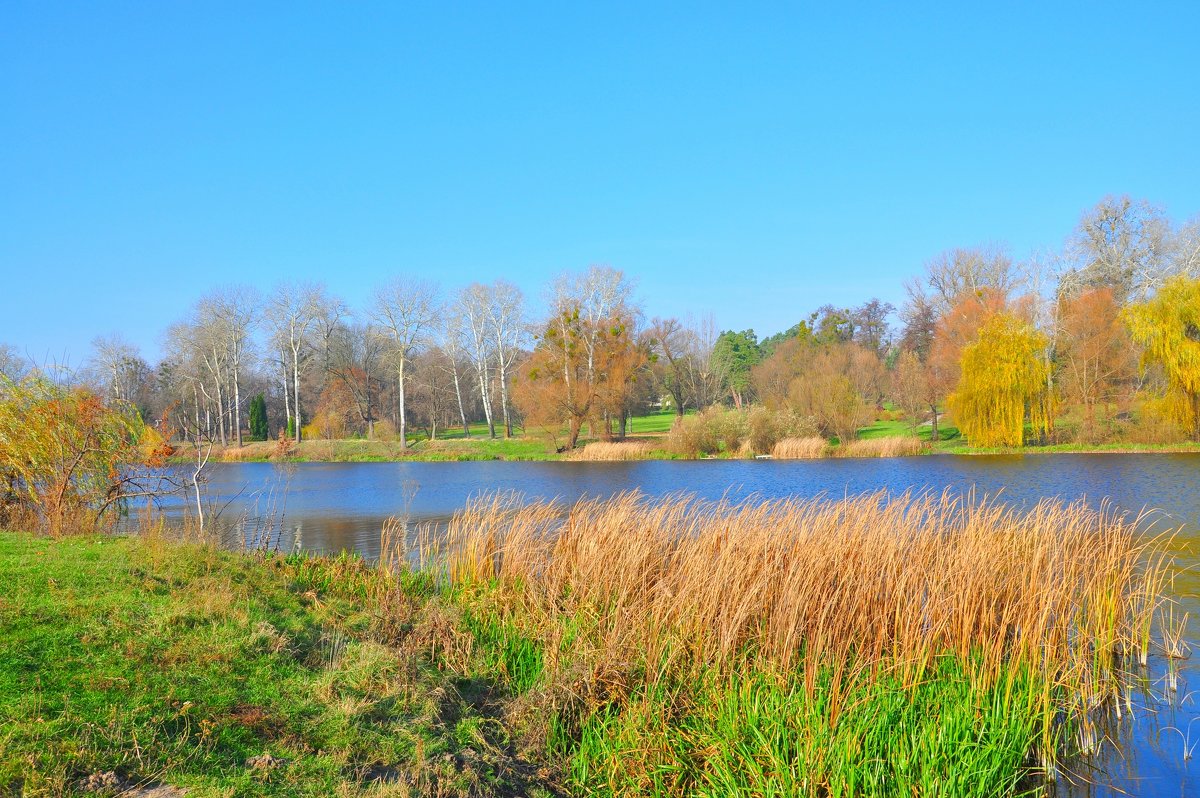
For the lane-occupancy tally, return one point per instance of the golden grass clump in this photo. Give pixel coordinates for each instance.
(601, 451)
(892, 446)
(811, 448)
(1060, 591)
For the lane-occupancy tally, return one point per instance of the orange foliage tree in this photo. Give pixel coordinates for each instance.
(580, 372)
(1094, 351)
(68, 456)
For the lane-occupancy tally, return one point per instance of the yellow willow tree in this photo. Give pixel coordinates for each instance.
(1003, 376)
(1168, 329)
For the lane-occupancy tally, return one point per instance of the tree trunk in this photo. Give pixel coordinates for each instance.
(287, 407)
(462, 413)
(403, 417)
(221, 413)
(237, 404)
(573, 437)
(933, 436)
(296, 390)
(504, 400)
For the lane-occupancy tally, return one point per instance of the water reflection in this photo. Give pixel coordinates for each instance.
(331, 507)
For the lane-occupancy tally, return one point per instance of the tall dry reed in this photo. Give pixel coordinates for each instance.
(892, 446)
(1061, 591)
(811, 448)
(602, 451)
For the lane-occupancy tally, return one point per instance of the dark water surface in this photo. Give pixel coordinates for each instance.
(328, 507)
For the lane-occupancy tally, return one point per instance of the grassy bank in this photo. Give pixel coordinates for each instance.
(222, 674)
(643, 648)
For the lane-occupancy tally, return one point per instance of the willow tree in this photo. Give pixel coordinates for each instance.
(1003, 377)
(1168, 329)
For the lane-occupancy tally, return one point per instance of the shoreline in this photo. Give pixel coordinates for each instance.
(344, 451)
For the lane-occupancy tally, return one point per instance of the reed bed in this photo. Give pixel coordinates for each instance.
(609, 451)
(891, 446)
(812, 448)
(871, 646)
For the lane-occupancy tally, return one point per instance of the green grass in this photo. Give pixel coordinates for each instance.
(949, 437)
(178, 663)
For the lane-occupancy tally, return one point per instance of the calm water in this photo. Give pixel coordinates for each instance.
(328, 507)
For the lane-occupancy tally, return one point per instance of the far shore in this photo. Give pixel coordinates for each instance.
(532, 449)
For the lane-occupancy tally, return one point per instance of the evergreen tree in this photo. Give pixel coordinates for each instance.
(258, 418)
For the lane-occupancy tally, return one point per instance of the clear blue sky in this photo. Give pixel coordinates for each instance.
(755, 161)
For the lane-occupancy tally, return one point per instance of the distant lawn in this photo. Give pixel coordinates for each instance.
(948, 435)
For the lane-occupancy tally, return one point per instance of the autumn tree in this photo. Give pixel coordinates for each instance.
(68, 455)
(1167, 327)
(836, 386)
(1094, 351)
(916, 391)
(1002, 378)
(573, 376)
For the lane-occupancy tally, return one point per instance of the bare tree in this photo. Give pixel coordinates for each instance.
(407, 310)
(356, 360)
(231, 315)
(473, 307)
(671, 342)
(707, 379)
(956, 273)
(292, 315)
(114, 360)
(1185, 249)
(506, 318)
(12, 364)
(452, 346)
(1122, 244)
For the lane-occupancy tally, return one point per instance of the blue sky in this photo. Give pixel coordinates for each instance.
(750, 160)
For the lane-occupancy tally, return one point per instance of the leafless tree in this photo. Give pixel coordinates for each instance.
(292, 315)
(506, 319)
(230, 314)
(407, 310)
(473, 306)
(452, 339)
(956, 273)
(1122, 244)
(671, 342)
(119, 367)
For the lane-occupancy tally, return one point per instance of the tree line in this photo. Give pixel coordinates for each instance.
(1098, 340)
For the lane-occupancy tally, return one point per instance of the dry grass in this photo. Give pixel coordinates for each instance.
(612, 450)
(812, 448)
(872, 584)
(893, 446)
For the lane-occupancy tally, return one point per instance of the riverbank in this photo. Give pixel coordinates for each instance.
(626, 658)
